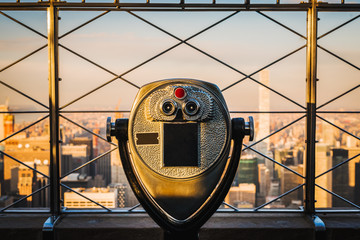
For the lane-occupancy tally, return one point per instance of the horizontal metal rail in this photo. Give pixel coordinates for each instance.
(22, 112)
(153, 6)
(118, 6)
(351, 112)
(220, 210)
(27, 210)
(271, 112)
(95, 111)
(128, 111)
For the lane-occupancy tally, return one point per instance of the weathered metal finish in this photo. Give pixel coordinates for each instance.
(48, 231)
(180, 197)
(182, 6)
(54, 109)
(187, 186)
(311, 59)
(213, 122)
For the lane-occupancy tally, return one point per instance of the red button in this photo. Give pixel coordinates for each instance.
(180, 93)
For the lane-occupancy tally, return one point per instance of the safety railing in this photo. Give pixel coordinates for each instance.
(307, 115)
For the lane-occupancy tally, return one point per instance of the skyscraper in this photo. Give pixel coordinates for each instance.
(323, 163)
(289, 181)
(242, 196)
(103, 168)
(264, 183)
(264, 106)
(117, 171)
(6, 121)
(340, 179)
(2, 182)
(248, 172)
(357, 184)
(81, 141)
(26, 150)
(264, 118)
(328, 133)
(74, 156)
(352, 153)
(6, 128)
(25, 180)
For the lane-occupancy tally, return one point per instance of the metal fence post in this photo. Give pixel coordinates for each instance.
(311, 78)
(311, 59)
(53, 61)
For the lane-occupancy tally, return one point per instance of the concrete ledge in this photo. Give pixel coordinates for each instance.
(342, 226)
(258, 226)
(22, 226)
(221, 226)
(108, 226)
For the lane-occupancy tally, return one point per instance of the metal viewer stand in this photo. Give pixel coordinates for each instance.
(180, 169)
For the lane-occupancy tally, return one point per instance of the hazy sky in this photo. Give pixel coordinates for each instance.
(119, 41)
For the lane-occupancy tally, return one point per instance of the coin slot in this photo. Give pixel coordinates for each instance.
(147, 138)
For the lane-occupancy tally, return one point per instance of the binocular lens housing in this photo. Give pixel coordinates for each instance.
(191, 107)
(175, 151)
(168, 107)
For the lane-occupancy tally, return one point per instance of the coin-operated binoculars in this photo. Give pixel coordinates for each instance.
(175, 152)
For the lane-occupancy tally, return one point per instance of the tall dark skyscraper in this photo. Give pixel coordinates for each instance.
(2, 182)
(74, 156)
(90, 169)
(357, 184)
(103, 167)
(340, 178)
(6, 128)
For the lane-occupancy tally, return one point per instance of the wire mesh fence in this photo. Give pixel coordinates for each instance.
(258, 53)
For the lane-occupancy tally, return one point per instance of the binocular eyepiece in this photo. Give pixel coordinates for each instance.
(168, 107)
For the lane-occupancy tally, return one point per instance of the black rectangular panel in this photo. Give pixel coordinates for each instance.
(180, 143)
(147, 138)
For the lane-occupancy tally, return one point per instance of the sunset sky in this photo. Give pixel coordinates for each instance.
(119, 41)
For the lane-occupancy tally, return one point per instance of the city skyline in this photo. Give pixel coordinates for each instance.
(284, 147)
(121, 48)
(137, 41)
